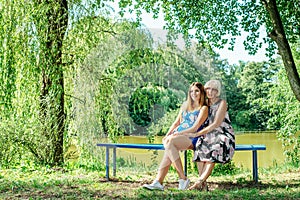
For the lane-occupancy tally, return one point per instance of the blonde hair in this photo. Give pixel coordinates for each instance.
(214, 84)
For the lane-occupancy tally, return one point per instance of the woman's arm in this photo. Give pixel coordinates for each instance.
(219, 118)
(199, 121)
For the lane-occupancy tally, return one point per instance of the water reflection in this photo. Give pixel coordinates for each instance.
(273, 154)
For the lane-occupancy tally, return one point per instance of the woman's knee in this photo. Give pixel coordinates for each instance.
(173, 142)
(166, 143)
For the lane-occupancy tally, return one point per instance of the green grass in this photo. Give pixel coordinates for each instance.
(60, 183)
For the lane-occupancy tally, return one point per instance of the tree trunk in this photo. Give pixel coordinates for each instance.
(51, 31)
(278, 35)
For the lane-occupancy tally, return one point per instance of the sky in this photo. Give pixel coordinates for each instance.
(233, 57)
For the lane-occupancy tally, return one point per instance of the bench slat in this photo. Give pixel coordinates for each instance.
(134, 146)
(238, 147)
(246, 147)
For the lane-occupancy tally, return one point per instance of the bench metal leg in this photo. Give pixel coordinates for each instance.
(107, 163)
(114, 161)
(185, 163)
(254, 166)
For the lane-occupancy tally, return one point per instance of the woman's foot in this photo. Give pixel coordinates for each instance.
(199, 185)
(204, 186)
(183, 184)
(155, 185)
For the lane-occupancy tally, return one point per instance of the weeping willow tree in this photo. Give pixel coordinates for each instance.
(8, 78)
(37, 66)
(51, 27)
(33, 81)
(42, 44)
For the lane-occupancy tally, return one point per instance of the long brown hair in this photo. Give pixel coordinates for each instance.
(202, 101)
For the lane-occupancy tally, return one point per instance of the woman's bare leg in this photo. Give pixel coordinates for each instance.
(179, 168)
(163, 168)
(207, 168)
(200, 167)
(173, 146)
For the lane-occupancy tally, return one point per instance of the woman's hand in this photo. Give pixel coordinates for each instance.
(166, 137)
(176, 133)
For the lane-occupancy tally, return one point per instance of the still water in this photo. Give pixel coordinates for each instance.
(268, 158)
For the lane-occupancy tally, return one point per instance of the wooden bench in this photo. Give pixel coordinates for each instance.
(241, 147)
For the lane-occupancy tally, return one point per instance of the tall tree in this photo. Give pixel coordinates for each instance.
(221, 22)
(51, 27)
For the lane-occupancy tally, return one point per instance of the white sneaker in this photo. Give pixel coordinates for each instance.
(183, 184)
(154, 186)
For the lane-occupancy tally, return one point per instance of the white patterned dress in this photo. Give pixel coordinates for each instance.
(218, 145)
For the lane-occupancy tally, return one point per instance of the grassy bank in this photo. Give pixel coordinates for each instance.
(60, 183)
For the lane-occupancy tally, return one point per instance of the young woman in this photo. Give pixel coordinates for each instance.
(217, 141)
(192, 115)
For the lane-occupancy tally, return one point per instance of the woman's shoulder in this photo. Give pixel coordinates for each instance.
(223, 101)
(184, 105)
(219, 103)
(204, 107)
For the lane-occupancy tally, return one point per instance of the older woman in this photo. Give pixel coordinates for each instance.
(217, 141)
(192, 115)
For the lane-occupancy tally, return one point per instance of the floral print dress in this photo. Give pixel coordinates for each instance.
(218, 145)
(188, 119)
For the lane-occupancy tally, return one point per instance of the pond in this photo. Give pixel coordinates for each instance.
(273, 155)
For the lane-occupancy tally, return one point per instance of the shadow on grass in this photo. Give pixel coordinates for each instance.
(251, 185)
(217, 190)
(220, 185)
